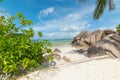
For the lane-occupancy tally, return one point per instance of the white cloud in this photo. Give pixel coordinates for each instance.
(38, 28)
(64, 26)
(75, 27)
(58, 35)
(111, 28)
(71, 28)
(47, 11)
(73, 16)
(3, 12)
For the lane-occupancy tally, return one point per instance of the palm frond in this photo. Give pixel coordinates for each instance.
(1, 0)
(111, 4)
(100, 6)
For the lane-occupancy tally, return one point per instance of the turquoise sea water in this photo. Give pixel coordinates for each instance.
(61, 42)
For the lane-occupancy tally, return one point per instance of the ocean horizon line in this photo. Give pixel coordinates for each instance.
(62, 39)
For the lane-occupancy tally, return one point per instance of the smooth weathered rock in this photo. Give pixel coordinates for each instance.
(82, 35)
(95, 36)
(79, 40)
(109, 45)
(86, 39)
(56, 51)
(66, 59)
(107, 32)
(56, 56)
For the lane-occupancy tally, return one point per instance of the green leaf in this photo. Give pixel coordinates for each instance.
(17, 51)
(40, 34)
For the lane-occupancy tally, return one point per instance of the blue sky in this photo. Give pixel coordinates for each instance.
(62, 18)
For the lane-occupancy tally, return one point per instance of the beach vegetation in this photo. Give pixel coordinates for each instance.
(118, 29)
(18, 52)
(100, 7)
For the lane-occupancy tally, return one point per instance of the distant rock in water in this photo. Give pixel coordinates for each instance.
(56, 51)
(109, 45)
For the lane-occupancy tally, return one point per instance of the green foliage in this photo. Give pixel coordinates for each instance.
(23, 21)
(1, 0)
(118, 29)
(40, 34)
(17, 51)
(100, 6)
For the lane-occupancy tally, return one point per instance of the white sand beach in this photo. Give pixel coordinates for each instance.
(103, 69)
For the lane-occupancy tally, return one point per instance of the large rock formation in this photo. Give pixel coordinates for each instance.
(86, 39)
(99, 43)
(109, 45)
(107, 32)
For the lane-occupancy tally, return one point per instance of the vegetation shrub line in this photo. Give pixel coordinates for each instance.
(18, 52)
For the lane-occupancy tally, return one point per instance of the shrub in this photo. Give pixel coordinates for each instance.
(17, 51)
(118, 29)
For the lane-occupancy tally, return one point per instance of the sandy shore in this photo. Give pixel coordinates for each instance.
(104, 69)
